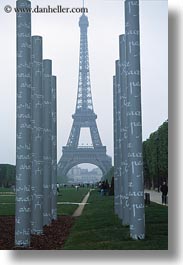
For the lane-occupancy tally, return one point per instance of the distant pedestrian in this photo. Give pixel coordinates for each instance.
(111, 191)
(164, 190)
(106, 187)
(102, 188)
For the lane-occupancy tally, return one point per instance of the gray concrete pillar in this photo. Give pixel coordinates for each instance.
(118, 140)
(47, 144)
(124, 131)
(37, 138)
(23, 127)
(135, 158)
(115, 145)
(54, 149)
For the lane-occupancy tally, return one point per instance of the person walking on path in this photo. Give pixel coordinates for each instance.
(164, 190)
(102, 188)
(106, 187)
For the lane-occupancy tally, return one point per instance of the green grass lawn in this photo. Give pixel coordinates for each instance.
(6, 190)
(7, 202)
(99, 228)
(70, 195)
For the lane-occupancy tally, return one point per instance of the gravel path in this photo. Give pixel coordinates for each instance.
(80, 208)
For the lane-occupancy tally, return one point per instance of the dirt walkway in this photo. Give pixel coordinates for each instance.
(80, 208)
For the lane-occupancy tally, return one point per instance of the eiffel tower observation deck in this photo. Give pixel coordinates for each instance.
(84, 117)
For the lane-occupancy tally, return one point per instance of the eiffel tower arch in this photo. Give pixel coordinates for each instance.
(84, 117)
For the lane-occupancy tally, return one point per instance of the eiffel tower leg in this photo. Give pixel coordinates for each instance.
(37, 138)
(74, 135)
(47, 144)
(23, 133)
(95, 134)
(135, 158)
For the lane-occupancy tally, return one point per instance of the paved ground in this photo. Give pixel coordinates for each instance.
(74, 203)
(154, 196)
(81, 206)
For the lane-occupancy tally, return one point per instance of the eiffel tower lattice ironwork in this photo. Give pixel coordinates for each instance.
(84, 117)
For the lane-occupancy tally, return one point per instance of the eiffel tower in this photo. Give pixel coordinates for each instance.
(84, 117)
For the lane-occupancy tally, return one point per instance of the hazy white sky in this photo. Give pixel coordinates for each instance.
(61, 44)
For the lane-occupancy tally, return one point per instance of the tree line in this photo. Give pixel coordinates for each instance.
(155, 157)
(7, 175)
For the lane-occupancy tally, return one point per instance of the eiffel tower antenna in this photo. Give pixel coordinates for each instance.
(83, 6)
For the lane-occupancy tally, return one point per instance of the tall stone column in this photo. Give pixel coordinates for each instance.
(115, 145)
(23, 126)
(118, 140)
(135, 158)
(37, 138)
(124, 131)
(47, 144)
(54, 149)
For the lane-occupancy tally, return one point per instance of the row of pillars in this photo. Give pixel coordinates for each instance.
(128, 159)
(36, 139)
